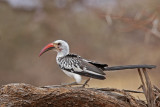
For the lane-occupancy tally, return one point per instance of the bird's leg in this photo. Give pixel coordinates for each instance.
(85, 83)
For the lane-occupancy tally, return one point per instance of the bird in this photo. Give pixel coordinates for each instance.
(74, 65)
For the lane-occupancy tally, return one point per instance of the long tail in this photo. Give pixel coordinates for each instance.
(128, 67)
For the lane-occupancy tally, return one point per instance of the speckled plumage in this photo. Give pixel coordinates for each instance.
(73, 65)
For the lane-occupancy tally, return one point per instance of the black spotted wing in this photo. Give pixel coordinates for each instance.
(83, 67)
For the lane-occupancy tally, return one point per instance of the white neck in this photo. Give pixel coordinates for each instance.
(62, 53)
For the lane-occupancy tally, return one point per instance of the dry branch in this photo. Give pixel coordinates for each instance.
(144, 24)
(151, 96)
(116, 90)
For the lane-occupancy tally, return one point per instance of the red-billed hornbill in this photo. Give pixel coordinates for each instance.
(73, 65)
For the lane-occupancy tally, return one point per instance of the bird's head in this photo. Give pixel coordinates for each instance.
(60, 46)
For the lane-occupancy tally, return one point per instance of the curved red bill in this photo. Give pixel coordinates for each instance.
(46, 48)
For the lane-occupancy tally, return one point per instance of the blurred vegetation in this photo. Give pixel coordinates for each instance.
(113, 32)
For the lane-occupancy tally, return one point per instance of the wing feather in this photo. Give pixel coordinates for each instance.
(82, 67)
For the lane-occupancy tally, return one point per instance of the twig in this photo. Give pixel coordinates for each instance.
(143, 84)
(117, 90)
(149, 89)
(156, 88)
(132, 91)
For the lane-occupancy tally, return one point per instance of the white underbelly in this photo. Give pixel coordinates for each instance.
(77, 77)
(70, 74)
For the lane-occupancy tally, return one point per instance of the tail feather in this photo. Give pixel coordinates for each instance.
(98, 65)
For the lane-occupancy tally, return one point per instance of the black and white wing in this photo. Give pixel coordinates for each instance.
(75, 64)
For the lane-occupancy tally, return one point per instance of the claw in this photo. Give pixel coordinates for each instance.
(70, 84)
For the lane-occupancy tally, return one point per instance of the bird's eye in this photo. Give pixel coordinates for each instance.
(59, 44)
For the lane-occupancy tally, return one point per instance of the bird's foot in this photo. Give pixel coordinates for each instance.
(51, 86)
(83, 86)
(75, 83)
(66, 85)
(70, 84)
